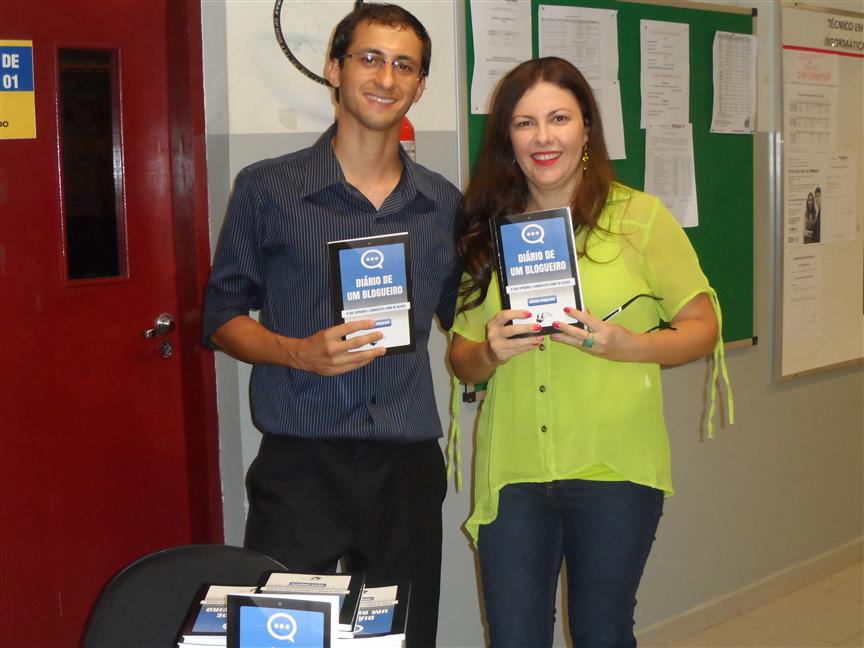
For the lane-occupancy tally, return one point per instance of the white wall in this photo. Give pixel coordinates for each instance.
(781, 486)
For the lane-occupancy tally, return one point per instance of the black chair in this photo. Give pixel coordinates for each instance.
(144, 605)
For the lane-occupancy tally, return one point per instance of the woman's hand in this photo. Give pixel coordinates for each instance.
(693, 334)
(601, 338)
(475, 362)
(500, 343)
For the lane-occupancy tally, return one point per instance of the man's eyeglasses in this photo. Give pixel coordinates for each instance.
(371, 61)
(662, 325)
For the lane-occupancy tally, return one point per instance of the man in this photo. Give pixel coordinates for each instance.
(349, 466)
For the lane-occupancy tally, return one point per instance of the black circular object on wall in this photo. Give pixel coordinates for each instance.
(280, 38)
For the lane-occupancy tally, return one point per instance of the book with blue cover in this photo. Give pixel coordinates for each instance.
(535, 258)
(370, 278)
(267, 620)
(383, 616)
(206, 623)
(347, 587)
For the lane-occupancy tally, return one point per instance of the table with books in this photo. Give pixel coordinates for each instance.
(297, 611)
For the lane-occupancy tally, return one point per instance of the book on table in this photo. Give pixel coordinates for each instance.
(300, 610)
(383, 616)
(370, 279)
(207, 619)
(347, 587)
(295, 620)
(537, 266)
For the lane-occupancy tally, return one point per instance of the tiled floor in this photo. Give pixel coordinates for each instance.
(829, 612)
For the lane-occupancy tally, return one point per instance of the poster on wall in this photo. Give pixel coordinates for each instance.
(822, 288)
(588, 38)
(502, 39)
(17, 92)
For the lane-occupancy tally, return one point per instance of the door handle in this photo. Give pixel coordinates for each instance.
(164, 324)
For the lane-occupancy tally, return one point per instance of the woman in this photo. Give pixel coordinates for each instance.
(811, 223)
(572, 455)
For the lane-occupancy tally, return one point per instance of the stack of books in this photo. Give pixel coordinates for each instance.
(206, 623)
(382, 616)
(345, 587)
(300, 611)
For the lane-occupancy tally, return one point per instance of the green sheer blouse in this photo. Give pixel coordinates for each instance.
(557, 413)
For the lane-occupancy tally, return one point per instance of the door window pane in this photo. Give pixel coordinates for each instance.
(91, 162)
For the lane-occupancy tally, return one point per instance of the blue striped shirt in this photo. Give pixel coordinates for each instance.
(272, 256)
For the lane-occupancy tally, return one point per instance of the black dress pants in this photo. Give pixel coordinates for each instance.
(374, 505)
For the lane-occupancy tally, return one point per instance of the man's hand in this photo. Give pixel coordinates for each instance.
(324, 353)
(327, 354)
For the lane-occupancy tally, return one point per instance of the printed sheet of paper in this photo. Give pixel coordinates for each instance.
(802, 312)
(502, 39)
(810, 100)
(812, 68)
(608, 96)
(839, 209)
(670, 172)
(820, 192)
(734, 83)
(588, 38)
(803, 184)
(665, 73)
(810, 116)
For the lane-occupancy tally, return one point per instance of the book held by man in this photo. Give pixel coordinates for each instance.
(370, 279)
(535, 258)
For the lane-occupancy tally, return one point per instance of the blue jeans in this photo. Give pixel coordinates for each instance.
(603, 529)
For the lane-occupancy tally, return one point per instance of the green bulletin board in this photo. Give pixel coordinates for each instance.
(724, 163)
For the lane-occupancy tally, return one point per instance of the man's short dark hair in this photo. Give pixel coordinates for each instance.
(379, 14)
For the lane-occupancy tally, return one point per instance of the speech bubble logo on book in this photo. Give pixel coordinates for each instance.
(533, 233)
(372, 259)
(282, 627)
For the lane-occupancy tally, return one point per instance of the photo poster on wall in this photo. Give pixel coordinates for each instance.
(822, 246)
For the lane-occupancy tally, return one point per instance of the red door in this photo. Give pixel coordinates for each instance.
(107, 438)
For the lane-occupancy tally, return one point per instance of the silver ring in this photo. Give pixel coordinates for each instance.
(588, 342)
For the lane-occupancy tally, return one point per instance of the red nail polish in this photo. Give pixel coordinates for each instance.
(526, 314)
(556, 325)
(537, 327)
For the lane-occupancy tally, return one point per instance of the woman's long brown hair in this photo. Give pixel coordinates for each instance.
(498, 186)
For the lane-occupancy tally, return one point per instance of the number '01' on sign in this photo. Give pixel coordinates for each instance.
(10, 62)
